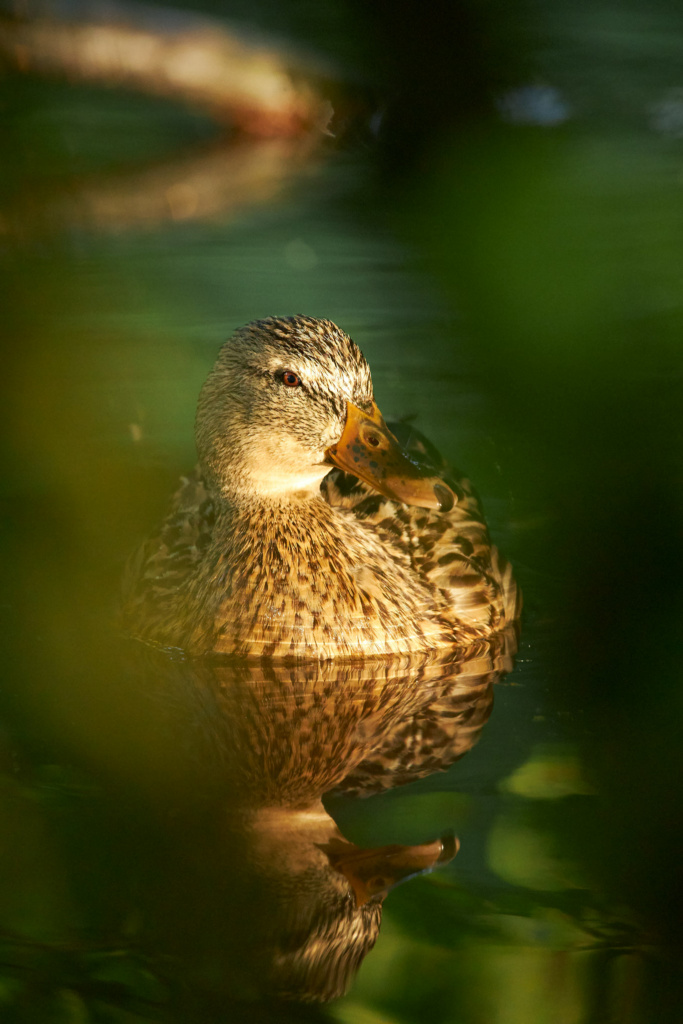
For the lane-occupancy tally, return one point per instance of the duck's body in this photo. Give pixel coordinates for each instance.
(269, 551)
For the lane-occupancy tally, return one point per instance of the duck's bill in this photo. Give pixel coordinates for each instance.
(372, 873)
(369, 450)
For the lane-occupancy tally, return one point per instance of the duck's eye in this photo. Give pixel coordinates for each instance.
(291, 379)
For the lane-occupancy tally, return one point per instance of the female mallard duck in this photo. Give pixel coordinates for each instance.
(270, 551)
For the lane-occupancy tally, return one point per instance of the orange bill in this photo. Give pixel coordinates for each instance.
(369, 450)
(373, 872)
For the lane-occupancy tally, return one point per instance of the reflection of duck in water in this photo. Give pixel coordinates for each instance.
(324, 898)
(269, 550)
(279, 736)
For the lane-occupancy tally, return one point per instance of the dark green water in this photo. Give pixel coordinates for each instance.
(517, 288)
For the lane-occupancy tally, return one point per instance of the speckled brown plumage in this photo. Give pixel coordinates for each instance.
(269, 551)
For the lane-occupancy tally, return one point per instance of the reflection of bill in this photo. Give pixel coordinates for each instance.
(281, 737)
(322, 898)
(271, 103)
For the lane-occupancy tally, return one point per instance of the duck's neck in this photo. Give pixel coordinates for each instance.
(284, 531)
(242, 478)
(265, 487)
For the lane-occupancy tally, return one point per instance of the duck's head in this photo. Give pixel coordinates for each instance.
(287, 399)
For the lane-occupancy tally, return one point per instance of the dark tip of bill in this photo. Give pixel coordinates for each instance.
(445, 497)
(450, 845)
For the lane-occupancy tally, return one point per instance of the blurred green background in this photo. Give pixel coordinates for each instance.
(498, 223)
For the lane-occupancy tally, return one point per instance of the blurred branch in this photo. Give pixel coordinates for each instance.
(255, 87)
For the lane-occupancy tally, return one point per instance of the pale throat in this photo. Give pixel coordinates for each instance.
(277, 483)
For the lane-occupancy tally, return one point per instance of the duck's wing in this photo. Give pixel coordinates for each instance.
(473, 587)
(157, 573)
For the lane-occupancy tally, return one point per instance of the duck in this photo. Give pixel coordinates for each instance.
(310, 529)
